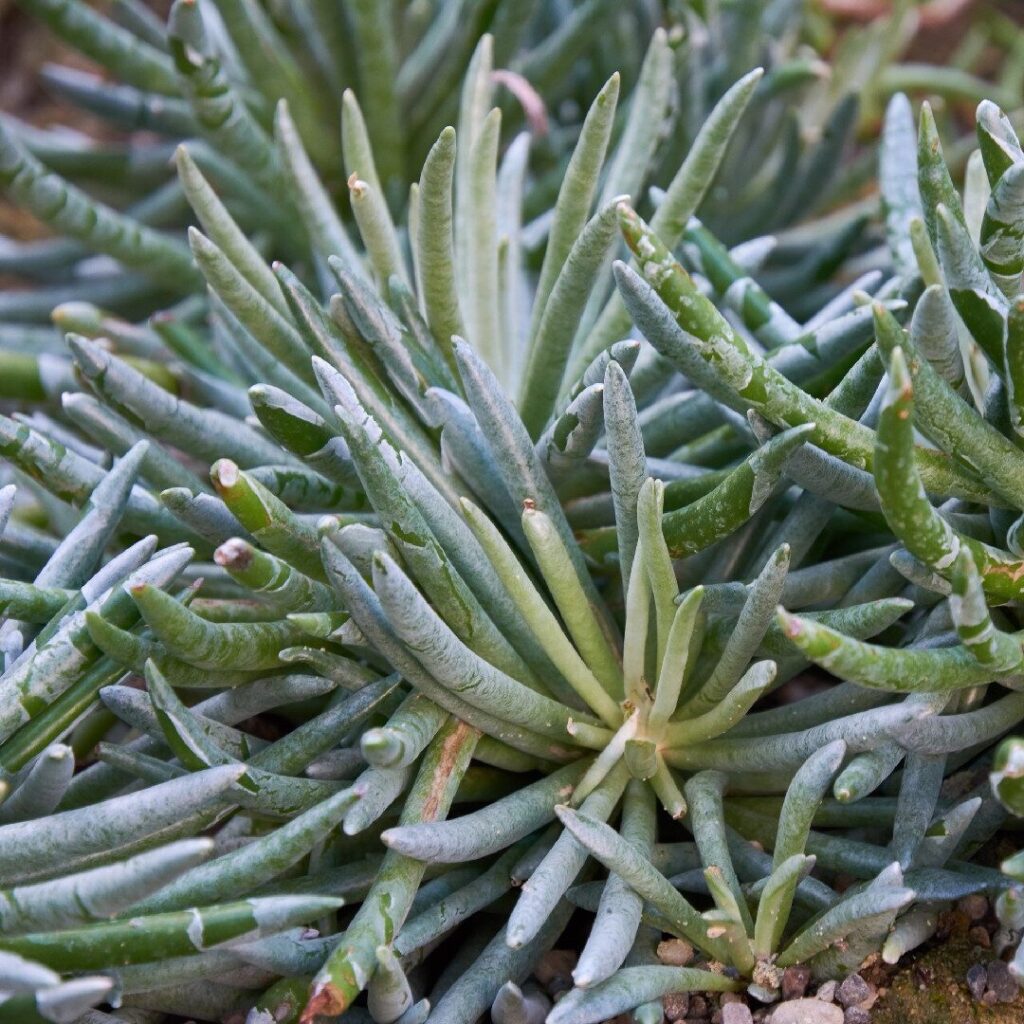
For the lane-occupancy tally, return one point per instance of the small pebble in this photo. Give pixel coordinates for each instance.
(806, 1011)
(676, 1005)
(853, 990)
(1001, 982)
(675, 952)
(827, 991)
(973, 907)
(866, 1004)
(764, 994)
(856, 1015)
(737, 1013)
(980, 937)
(795, 981)
(556, 965)
(698, 1006)
(1004, 939)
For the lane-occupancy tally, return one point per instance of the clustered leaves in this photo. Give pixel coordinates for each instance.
(370, 614)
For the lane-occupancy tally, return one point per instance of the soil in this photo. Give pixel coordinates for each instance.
(929, 988)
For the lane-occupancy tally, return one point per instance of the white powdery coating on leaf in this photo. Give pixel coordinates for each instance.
(195, 929)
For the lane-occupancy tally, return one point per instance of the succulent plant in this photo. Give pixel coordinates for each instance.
(417, 523)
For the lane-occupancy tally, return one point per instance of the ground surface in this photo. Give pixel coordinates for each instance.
(930, 989)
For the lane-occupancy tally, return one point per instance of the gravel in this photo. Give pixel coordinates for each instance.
(807, 1011)
(977, 980)
(827, 991)
(676, 1005)
(853, 990)
(973, 907)
(737, 1013)
(855, 1015)
(795, 981)
(1001, 983)
(675, 952)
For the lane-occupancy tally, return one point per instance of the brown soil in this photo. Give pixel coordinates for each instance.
(930, 989)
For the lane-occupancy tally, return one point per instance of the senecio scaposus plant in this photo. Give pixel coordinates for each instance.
(524, 521)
